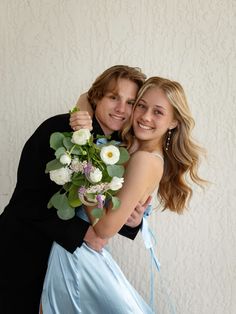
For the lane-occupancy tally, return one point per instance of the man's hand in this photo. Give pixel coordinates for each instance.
(80, 120)
(137, 215)
(93, 241)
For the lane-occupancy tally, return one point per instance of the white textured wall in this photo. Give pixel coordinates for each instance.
(51, 50)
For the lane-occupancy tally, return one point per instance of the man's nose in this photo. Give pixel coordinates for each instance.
(121, 105)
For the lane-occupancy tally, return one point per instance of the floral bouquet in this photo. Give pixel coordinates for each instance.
(89, 173)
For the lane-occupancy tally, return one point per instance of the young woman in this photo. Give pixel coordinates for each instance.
(158, 136)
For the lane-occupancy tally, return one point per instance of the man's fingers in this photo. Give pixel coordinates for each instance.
(148, 201)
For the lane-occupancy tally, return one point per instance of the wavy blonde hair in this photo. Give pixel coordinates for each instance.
(181, 160)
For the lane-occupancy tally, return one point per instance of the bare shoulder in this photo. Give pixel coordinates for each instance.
(146, 162)
(144, 157)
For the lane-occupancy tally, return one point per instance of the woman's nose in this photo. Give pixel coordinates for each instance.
(146, 116)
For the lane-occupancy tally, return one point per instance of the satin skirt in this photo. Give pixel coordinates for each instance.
(88, 282)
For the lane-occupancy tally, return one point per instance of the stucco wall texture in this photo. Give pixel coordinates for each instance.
(52, 50)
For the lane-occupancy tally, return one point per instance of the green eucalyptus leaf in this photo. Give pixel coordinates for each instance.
(49, 205)
(76, 150)
(66, 214)
(56, 140)
(60, 201)
(73, 198)
(67, 143)
(97, 212)
(115, 202)
(53, 165)
(115, 170)
(59, 152)
(76, 202)
(124, 155)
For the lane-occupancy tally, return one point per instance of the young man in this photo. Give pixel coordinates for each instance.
(27, 227)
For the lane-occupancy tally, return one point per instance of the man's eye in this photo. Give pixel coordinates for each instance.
(113, 97)
(131, 102)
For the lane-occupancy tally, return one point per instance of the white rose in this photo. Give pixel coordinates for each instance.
(81, 137)
(95, 175)
(116, 183)
(60, 176)
(110, 154)
(65, 159)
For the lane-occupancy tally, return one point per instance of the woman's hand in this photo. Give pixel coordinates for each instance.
(80, 120)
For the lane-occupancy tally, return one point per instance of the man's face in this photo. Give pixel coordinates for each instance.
(115, 108)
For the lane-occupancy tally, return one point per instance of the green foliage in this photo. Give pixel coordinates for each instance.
(53, 165)
(115, 202)
(97, 212)
(56, 140)
(73, 197)
(66, 214)
(59, 152)
(70, 196)
(115, 170)
(124, 156)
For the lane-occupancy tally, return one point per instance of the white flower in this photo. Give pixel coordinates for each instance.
(60, 176)
(110, 154)
(81, 136)
(95, 175)
(65, 159)
(76, 165)
(116, 183)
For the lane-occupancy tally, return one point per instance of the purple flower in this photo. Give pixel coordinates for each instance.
(81, 190)
(100, 198)
(88, 168)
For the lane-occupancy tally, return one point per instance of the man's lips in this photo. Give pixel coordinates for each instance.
(120, 118)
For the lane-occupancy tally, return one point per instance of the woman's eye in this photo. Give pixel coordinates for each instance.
(140, 105)
(158, 112)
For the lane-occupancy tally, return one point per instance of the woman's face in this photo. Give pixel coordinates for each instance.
(153, 116)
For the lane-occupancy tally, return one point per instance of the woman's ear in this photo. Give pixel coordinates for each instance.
(173, 124)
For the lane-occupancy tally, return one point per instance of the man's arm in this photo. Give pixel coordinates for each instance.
(34, 189)
(134, 222)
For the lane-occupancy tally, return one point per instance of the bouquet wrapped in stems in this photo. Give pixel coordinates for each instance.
(90, 172)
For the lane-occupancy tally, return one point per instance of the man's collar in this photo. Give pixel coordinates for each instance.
(98, 130)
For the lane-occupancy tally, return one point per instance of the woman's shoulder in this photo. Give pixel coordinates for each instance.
(144, 155)
(146, 160)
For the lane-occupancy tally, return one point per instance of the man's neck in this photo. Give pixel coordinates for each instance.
(98, 130)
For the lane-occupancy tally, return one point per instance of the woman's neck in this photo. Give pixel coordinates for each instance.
(149, 147)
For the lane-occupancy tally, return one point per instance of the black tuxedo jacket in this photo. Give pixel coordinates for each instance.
(28, 227)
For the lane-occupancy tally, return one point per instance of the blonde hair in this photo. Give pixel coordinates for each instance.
(182, 157)
(108, 79)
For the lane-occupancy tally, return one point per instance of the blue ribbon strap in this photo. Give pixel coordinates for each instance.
(148, 236)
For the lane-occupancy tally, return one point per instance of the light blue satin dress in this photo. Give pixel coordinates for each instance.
(88, 282)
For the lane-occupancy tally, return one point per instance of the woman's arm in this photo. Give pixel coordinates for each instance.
(82, 119)
(84, 105)
(142, 176)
